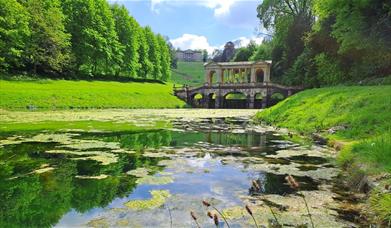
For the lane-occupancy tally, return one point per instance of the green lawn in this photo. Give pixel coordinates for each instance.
(61, 94)
(190, 73)
(364, 112)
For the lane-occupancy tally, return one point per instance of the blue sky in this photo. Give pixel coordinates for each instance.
(202, 24)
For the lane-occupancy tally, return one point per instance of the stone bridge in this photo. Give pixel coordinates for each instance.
(235, 85)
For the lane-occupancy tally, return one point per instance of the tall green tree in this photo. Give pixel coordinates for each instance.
(48, 46)
(244, 53)
(14, 31)
(165, 58)
(95, 42)
(145, 64)
(127, 29)
(153, 54)
(362, 31)
(290, 21)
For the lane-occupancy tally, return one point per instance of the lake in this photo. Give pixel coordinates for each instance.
(159, 169)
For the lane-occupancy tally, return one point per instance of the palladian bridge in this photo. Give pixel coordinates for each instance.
(235, 85)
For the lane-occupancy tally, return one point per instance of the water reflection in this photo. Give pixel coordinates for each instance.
(33, 196)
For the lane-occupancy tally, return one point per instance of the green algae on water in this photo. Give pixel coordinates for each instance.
(158, 199)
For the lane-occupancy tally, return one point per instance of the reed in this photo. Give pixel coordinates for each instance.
(169, 212)
(251, 214)
(192, 214)
(257, 187)
(296, 186)
(216, 220)
(207, 204)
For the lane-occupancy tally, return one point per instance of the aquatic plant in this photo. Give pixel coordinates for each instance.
(216, 220)
(295, 185)
(157, 200)
(192, 214)
(256, 187)
(249, 211)
(207, 204)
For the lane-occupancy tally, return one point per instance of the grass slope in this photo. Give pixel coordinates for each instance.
(61, 94)
(190, 73)
(365, 115)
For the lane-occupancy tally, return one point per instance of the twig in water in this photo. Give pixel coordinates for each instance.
(192, 214)
(252, 216)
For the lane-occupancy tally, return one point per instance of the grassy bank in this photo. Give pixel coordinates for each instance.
(357, 117)
(61, 94)
(190, 73)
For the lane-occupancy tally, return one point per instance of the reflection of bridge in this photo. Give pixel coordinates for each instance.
(239, 85)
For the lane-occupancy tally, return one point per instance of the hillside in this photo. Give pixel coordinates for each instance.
(61, 94)
(190, 73)
(358, 119)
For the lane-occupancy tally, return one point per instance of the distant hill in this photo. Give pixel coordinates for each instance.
(190, 73)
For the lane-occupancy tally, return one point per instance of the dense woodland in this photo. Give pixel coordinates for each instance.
(325, 42)
(79, 39)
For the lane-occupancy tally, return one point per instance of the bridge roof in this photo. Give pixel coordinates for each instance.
(239, 64)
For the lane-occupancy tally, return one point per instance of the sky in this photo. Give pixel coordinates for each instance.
(198, 24)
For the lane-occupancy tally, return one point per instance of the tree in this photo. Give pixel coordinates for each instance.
(127, 29)
(48, 46)
(95, 42)
(143, 51)
(362, 32)
(153, 53)
(204, 56)
(165, 58)
(14, 31)
(244, 53)
(290, 20)
(263, 52)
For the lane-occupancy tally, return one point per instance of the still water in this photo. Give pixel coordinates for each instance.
(156, 177)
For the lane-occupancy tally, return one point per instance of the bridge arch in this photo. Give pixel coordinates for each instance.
(211, 100)
(235, 100)
(196, 99)
(258, 98)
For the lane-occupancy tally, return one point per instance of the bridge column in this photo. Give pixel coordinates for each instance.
(220, 76)
(267, 74)
(219, 101)
(251, 101)
(205, 101)
(265, 101)
(253, 75)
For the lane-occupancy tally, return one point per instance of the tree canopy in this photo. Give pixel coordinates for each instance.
(79, 38)
(326, 42)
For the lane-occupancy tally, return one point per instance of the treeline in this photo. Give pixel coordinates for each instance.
(82, 38)
(325, 42)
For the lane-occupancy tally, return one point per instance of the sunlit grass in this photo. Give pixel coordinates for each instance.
(364, 112)
(189, 73)
(61, 94)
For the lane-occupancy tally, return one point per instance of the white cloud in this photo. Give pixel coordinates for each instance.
(191, 41)
(195, 42)
(244, 41)
(219, 7)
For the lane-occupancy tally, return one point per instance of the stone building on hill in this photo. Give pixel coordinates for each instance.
(189, 56)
